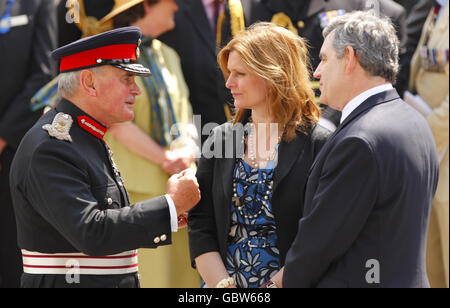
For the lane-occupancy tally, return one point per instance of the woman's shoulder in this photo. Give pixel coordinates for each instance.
(319, 132)
(318, 136)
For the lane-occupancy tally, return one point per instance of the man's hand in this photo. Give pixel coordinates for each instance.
(184, 191)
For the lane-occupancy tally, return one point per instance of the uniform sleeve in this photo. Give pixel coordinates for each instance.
(340, 207)
(59, 189)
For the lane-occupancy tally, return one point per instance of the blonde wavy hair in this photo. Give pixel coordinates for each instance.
(281, 59)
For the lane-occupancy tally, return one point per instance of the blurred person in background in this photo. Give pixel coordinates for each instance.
(430, 80)
(27, 37)
(194, 39)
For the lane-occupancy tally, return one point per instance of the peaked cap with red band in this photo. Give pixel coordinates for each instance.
(118, 47)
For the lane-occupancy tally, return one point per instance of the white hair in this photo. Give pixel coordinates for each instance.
(68, 83)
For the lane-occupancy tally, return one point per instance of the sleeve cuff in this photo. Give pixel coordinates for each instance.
(173, 214)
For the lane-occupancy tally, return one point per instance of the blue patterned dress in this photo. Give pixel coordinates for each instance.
(253, 257)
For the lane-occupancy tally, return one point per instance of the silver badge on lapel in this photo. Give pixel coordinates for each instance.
(60, 127)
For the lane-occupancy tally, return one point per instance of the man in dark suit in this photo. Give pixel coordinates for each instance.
(27, 36)
(195, 42)
(369, 191)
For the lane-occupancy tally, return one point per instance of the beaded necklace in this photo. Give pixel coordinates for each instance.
(265, 183)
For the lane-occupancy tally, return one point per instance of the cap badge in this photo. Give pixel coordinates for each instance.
(60, 127)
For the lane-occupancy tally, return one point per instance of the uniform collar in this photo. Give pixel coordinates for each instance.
(84, 121)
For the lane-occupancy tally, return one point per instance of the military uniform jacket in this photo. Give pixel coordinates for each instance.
(68, 197)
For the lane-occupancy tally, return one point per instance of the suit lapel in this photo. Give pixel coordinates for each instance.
(231, 138)
(287, 156)
(227, 168)
(371, 102)
(197, 15)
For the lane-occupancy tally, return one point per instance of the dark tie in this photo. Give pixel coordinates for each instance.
(216, 4)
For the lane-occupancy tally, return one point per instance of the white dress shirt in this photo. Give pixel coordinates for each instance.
(358, 100)
(173, 214)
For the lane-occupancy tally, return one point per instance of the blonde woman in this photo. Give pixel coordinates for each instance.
(253, 171)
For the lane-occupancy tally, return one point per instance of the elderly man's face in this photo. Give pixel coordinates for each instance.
(116, 93)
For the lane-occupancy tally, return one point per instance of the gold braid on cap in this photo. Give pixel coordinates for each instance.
(89, 25)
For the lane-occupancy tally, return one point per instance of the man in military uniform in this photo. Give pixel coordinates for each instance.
(75, 225)
(305, 18)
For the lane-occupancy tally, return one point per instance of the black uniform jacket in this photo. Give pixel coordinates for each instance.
(67, 197)
(367, 202)
(209, 221)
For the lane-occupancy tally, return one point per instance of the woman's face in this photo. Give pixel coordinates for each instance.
(159, 18)
(249, 90)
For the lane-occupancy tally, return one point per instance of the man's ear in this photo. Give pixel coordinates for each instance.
(87, 82)
(146, 7)
(352, 60)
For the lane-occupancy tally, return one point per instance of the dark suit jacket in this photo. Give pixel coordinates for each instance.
(209, 221)
(27, 65)
(195, 42)
(368, 198)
